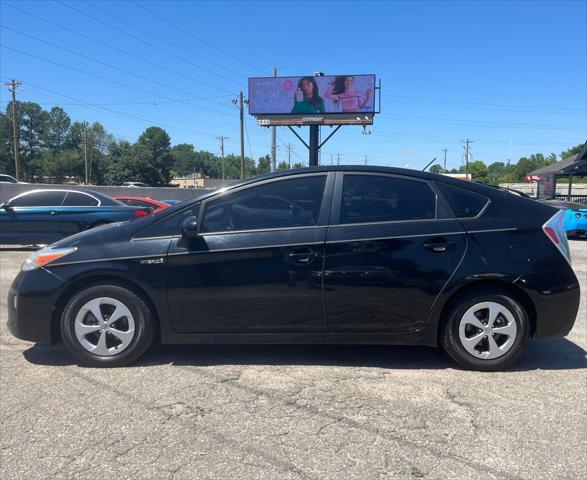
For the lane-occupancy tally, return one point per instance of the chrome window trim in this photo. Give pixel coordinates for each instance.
(42, 190)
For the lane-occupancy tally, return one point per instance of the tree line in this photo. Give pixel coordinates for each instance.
(55, 149)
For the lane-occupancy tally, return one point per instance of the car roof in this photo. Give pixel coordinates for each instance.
(475, 187)
(104, 199)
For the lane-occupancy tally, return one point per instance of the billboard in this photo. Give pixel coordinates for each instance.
(350, 97)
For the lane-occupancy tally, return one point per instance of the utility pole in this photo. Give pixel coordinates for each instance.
(242, 118)
(331, 159)
(366, 159)
(444, 168)
(273, 139)
(289, 149)
(86, 151)
(222, 138)
(12, 86)
(338, 158)
(467, 148)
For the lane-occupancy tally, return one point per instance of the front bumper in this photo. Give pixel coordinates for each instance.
(30, 305)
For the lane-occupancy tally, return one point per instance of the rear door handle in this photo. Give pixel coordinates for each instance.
(302, 257)
(438, 245)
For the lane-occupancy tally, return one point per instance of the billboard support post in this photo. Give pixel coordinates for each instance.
(314, 145)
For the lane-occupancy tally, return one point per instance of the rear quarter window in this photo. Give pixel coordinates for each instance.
(463, 203)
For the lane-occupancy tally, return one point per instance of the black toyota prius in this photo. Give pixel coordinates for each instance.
(334, 255)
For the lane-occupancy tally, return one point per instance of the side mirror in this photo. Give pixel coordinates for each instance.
(5, 206)
(189, 227)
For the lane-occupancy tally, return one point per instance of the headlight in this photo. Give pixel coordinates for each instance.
(44, 256)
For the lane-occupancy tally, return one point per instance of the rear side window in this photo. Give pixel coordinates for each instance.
(280, 204)
(74, 199)
(136, 203)
(39, 199)
(464, 204)
(373, 198)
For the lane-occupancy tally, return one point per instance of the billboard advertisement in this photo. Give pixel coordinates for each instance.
(342, 95)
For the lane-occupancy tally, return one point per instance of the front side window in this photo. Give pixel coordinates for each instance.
(74, 199)
(378, 198)
(170, 226)
(280, 204)
(39, 199)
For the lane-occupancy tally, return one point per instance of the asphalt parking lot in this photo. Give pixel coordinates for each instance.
(315, 412)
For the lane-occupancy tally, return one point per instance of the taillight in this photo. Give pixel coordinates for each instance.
(556, 233)
(140, 213)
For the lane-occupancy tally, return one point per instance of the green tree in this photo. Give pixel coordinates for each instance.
(153, 160)
(572, 150)
(57, 128)
(6, 155)
(264, 165)
(436, 168)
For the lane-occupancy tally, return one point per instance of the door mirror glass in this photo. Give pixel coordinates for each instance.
(189, 227)
(5, 206)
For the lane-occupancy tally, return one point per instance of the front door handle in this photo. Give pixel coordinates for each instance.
(438, 245)
(302, 257)
(52, 212)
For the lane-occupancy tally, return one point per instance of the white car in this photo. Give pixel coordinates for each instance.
(135, 184)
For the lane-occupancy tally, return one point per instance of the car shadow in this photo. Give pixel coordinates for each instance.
(24, 248)
(555, 354)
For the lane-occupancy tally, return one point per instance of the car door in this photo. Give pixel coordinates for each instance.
(391, 248)
(78, 212)
(254, 267)
(31, 218)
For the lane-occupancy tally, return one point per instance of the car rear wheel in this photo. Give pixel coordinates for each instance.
(486, 330)
(107, 326)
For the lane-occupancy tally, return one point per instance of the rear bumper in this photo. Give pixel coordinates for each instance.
(556, 297)
(30, 306)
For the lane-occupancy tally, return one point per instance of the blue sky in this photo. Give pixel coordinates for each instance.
(487, 71)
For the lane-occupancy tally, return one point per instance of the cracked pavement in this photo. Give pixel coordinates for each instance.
(299, 412)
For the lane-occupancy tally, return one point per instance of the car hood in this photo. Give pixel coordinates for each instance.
(100, 234)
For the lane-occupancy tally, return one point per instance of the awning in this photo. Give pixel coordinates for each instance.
(573, 165)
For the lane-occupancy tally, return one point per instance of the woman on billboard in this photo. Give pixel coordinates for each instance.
(307, 99)
(342, 92)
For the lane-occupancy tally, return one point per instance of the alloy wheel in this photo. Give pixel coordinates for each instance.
(104, 326)
(487, 330)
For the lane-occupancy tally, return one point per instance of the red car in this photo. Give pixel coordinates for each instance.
(147, 202)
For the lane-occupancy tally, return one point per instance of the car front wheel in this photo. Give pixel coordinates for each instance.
(486, 331)
(107, 326)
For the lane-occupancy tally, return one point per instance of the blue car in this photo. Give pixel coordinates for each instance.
(45, 216)
(575, 216)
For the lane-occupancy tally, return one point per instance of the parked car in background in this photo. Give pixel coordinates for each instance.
(171, 202)
(145, 202)
(135, 184)
(321, 255)
(45, 216)
(8, 179)
(575, 215)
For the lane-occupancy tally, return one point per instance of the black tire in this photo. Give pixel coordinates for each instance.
(143, 318)
(453, 345)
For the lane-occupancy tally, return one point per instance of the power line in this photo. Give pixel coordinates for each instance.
(191, 34)
(165, 40)
(491, 104)
(105, 78)
(452, 121)
(123, 114)
(113, 47)
(152, 45)
(92, 59)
